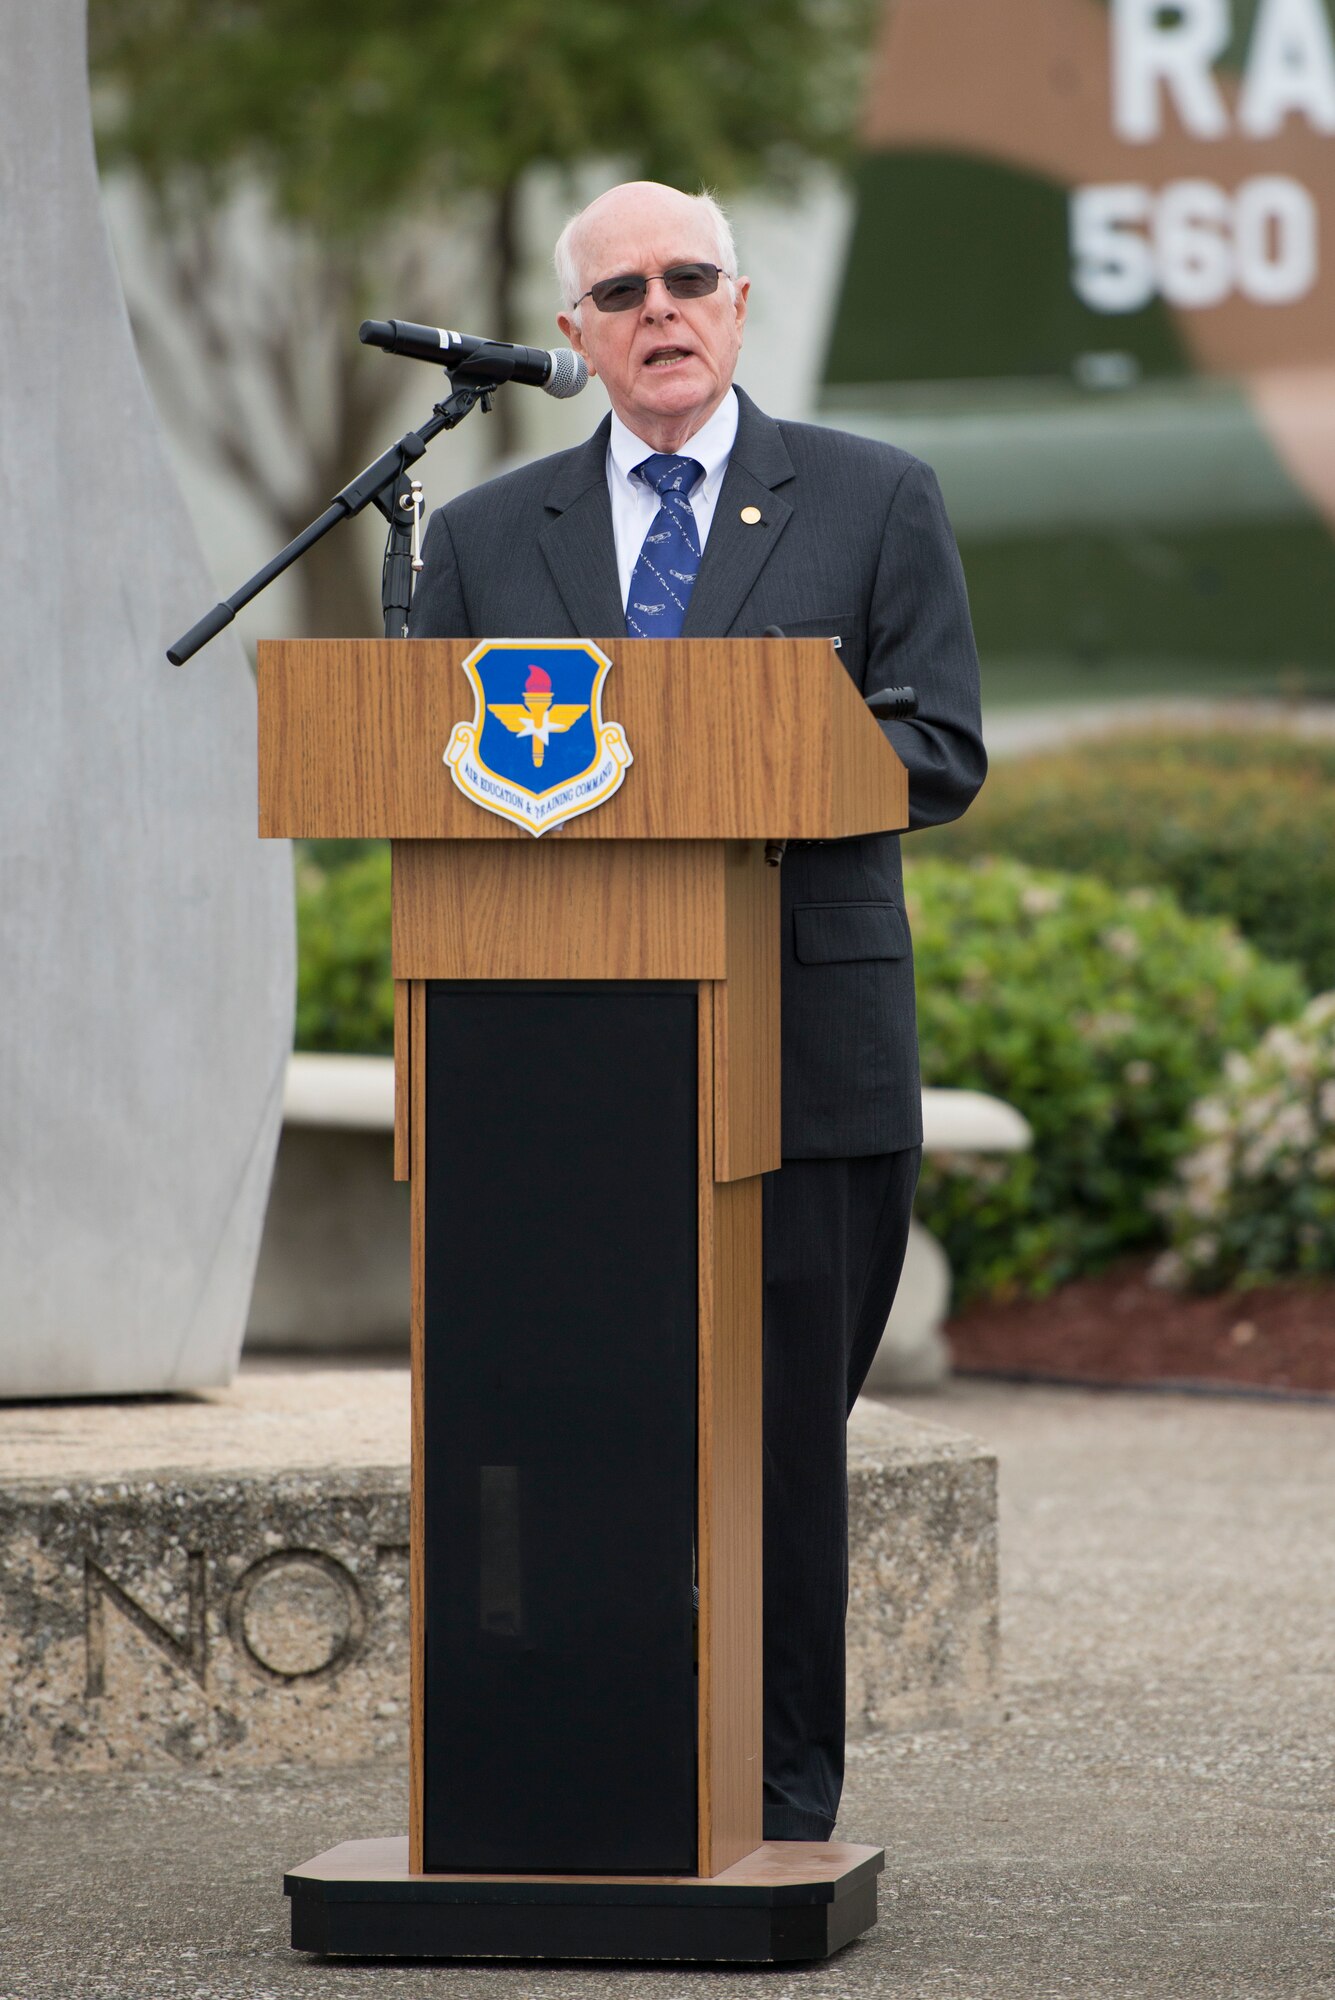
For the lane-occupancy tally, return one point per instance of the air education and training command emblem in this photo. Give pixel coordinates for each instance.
(537, 750)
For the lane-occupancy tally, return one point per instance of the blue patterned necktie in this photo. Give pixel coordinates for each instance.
(660, 585)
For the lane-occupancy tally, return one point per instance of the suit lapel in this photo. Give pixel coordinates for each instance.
(577, 541)
(579, 549)
(736, 550)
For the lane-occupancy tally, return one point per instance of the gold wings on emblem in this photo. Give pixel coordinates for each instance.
(537, 723)
(561, 715)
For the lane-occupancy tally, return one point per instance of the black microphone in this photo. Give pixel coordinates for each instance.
(558, 370)
(893, 704)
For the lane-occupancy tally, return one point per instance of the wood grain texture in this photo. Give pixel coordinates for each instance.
(402, 1081)
(553, 910)
(705, 1525)
(730, 1480)
(728, 1505)
(734, 739)
(416, 1506)
(859, 757)
(746, 1019)
(771, 1864)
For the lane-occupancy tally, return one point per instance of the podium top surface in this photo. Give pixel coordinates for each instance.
(732, 739)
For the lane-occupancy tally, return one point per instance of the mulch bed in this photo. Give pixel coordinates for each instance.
(1118, 1329)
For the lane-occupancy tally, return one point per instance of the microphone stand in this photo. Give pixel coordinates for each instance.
(385, 484)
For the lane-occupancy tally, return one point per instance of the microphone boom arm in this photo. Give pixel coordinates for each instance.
(384, 484)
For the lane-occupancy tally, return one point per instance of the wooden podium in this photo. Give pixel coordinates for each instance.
(586, 1096)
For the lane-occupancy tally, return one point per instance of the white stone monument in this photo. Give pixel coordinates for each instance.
(146, 1005)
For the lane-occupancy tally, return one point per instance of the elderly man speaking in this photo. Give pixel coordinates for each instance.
(691, 512)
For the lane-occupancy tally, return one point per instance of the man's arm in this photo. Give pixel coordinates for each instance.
(920, 634)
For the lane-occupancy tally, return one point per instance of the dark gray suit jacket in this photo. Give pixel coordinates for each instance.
(853, 541)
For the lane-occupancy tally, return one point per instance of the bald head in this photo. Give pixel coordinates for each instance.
(637, 206)
(665, 357)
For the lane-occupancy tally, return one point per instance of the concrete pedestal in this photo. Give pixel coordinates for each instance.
(220, 1581)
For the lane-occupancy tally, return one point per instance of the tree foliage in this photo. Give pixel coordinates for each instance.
(352, 117)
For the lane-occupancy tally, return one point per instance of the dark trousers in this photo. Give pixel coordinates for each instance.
(835, 1232)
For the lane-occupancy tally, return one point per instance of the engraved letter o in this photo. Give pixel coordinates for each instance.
(296, 1615)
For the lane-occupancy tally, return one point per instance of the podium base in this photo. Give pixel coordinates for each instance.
(787, 1901)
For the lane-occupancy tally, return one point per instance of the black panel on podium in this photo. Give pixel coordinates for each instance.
(560, 1426)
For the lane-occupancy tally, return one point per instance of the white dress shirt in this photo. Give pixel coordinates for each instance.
(635, 505)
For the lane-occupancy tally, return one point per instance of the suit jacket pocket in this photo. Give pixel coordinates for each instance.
(834, 933)
(829, 625)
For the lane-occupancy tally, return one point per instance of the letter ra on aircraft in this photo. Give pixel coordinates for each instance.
(1163, 52)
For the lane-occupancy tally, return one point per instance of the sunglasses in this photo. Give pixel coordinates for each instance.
(684, 281)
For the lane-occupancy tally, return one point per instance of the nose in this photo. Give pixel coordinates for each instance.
(659, 303)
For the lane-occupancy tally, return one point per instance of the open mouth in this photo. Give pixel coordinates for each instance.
(667, 357)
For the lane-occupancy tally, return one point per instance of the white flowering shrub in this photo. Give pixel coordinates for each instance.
(1102, 1014)
(1254, 1197)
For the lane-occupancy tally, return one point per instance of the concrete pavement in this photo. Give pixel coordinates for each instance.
(1153, 1817)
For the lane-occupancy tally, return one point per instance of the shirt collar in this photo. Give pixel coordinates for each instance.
(711, 445)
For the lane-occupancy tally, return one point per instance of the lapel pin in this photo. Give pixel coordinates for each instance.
(750, 515)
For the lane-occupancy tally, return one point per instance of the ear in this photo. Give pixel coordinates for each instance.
(742, 291)
(569, 326)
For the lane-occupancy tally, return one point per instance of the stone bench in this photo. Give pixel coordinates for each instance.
(333, 1269)
(220, 1580)
(333, 1272)
(913, 1353)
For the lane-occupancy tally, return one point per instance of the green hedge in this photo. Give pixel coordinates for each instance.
(1102, 1014)
(345, 991)
(1236, 825)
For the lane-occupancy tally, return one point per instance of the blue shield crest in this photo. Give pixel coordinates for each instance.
(537, 750)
